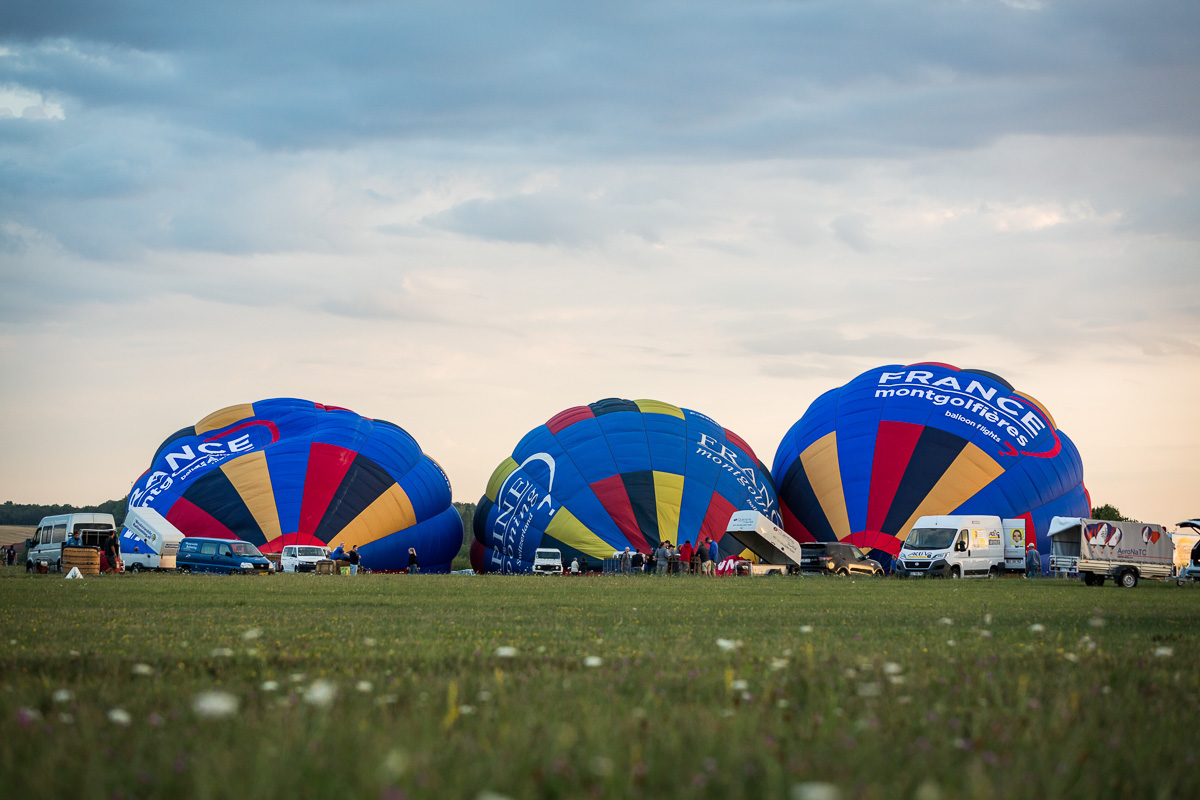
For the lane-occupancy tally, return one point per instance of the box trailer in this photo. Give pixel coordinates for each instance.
(149, 541)
(776, 550)
(1100, 549)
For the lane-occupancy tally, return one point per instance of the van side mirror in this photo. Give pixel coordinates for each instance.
(961, 547)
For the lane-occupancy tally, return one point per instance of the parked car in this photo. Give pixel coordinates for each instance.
(547, 561)
(836, 558)
(226, 556)
(301, 557)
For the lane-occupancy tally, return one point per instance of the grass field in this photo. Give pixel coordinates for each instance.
(393, 686)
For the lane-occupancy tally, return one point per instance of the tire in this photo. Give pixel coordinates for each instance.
(58, 565)
(135, 567)
(877, 573)
(955, 572)
(184, 570)
(1089, 579)
(1128, 579)
(993, 572)
(843, 573)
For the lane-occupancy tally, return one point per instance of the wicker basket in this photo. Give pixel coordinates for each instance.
(87, 559)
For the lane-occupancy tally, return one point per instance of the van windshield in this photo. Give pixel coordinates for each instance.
(244, 549)
(929, 538)
(547, 554)
(311, 551)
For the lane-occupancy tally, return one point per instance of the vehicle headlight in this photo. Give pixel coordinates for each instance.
(246, 565)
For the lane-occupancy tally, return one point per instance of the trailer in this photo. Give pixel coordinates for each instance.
(777, 551)
(1101, 549)
(149, 541)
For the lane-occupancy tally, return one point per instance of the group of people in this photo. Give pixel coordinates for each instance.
(352, 558)
(669, 559)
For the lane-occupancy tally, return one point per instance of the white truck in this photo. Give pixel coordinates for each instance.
(547, 561)
(962, 546)
(777, 551)
(1100, 549)
(46, 544)
(149, 541)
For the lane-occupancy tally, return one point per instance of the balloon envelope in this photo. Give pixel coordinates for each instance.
(900, 442)
(287, 471)
(614, 474)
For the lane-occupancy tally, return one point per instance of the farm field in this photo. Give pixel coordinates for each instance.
(388, 686)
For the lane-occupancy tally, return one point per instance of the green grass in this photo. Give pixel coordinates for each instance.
(881, 697)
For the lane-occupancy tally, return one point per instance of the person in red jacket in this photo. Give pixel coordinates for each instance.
(685, 557)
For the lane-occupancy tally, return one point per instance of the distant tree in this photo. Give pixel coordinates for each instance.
(1110, 513)
(31, 514)
(467, 512)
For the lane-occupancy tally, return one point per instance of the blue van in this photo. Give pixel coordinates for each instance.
(227, 556)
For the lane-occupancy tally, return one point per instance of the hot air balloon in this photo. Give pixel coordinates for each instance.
(285, 471)
(614, 474)
(901, 442)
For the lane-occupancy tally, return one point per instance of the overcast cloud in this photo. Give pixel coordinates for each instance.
(464, 217)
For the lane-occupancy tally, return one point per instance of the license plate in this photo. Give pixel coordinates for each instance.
(918, 575)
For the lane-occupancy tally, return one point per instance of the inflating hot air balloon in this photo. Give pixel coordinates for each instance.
(614, 474)
(900, 442)
(284, 471)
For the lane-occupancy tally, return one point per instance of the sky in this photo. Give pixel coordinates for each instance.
(465, 217)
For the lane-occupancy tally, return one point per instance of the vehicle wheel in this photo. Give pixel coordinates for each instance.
(183, 570)
(1099, 580)
(955, 572)
(29, 566)
(135, 567)
(58, 565)
(992, 573)
(1128, 579)
(878, 573)
(843, 573)
(1089, 579)
(1179, 583)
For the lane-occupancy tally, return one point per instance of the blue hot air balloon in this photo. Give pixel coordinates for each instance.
(599, 478)
(284, 471)
(900, 442)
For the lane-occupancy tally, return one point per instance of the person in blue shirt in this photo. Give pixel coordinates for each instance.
(73, 540)
(340, 553)
(712, 550)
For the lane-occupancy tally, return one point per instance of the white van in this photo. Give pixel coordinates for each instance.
(547, 561)
(302, 557)
(52, 532)
(957, 546)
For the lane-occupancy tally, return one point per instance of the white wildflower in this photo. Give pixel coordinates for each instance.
(252, 633)
(394, 765)
(321, 693)
(62, 696)
(297, 677)
(739, 685)
(506, 652)
(1071, 657)
(483, 696)
(806, 628)
(119, 716)
(987, 619)
(728, 645)
(466, 710)
(270, 686)
(1164, 652)
(593, 661)
(1037, 627)
(778, 664)
(946, 621)
(142, 669)
(868, 690)
(892, 668)
(221, 652)
(1096, 622)
(369, 641)
(815, 790)
(364, 686)
(215, 704)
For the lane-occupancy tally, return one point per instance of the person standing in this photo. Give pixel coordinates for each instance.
(685, 556)
(353, 558)
(713, 552)
(704, 559)
(574, 566)
(1033, 562)
(413, 566)
(111, 549)
(663, 556)
(626, 561)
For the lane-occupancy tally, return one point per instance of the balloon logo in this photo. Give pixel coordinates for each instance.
(900, 442)
(287, 471)
(614, 474)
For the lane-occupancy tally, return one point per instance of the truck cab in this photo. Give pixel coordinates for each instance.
(953, 546)
(547, 561)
